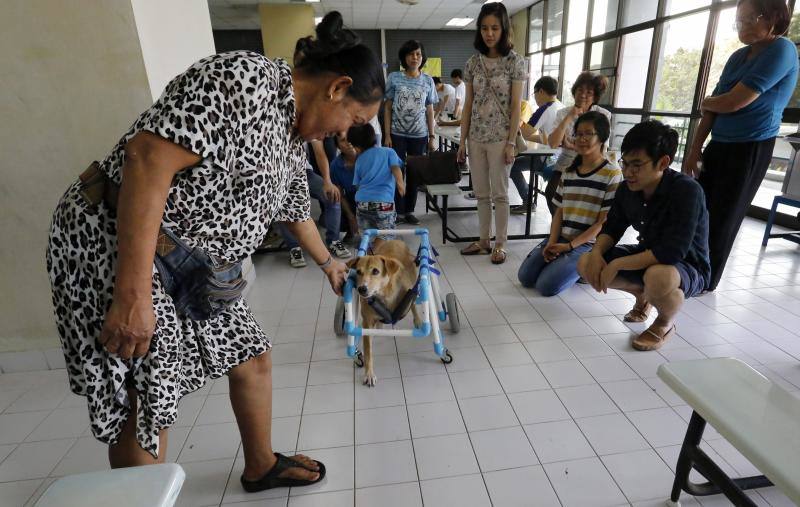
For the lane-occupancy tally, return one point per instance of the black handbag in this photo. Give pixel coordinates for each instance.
(435, 168)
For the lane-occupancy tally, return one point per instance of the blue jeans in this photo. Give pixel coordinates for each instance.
(551, 278)
(332, 211)
(520, 166)
(408, 146)
(376, 215)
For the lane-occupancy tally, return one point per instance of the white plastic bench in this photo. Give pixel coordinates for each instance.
(432, 193)
(144, 486)
(758, 417)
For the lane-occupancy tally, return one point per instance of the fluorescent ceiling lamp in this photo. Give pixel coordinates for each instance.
(312, 1)
(459, 22)
(489, 1)
(317, 20)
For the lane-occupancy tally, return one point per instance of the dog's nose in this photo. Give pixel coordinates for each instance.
(362, 290)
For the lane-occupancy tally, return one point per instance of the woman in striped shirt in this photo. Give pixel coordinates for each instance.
(583, 199)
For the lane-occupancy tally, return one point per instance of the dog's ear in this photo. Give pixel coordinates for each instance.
(391, 266)
(352, 262)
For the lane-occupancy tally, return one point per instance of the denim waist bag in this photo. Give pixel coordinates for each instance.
(200, 288)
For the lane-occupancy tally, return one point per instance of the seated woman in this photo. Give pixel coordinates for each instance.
(583, 198)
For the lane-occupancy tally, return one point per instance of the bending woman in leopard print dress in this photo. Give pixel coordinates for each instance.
(216, 159)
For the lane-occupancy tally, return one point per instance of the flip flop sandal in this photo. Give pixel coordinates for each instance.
(271, 480)
(649, 340)
(498, 255)
(475, 249)
(638, 313)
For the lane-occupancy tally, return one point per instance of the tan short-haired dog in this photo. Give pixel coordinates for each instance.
(387, 274)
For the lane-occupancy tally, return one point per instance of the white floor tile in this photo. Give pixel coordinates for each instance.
(641, 475)
(329, 398)
(660, 426)
(444, 456)
(502, 449)
(488, 412)
(473, 383)
(34, 460)
(392, 495)
(15, 428)
(384, 463)
(605, 324)
(633, 395)
(288, 401)
(545, 351)
(387, 393)
(87, 455)
(210, 442)
(427, 388)
(468, 358)
(289, 375)
(521, 487)
(586, 401)
(205, 482)
(512, 354)
(538, 406)
(558, 441)
(464, 491)
(420, 363)
(611, 434)
(287, 353)
(584, 482)
(13, 494)
(319, 431)
(327, 372)
(438, 418)
(533, 331)
(526, 377)
(566, 373)
(332, 499)
(217, 409)
(608, 369)
(588, 346)
(382, 425)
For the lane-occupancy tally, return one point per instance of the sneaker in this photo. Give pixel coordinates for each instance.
(519, 209)
(400, 219)
(339, 250)
(296, 259)
(411, 219)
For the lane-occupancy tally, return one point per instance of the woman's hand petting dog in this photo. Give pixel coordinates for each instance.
(337, 274)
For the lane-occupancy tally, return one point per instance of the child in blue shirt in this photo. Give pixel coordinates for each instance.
(377, 174)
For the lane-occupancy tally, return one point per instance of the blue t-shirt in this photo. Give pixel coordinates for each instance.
(373, 175)
(342, 175)
(410, 97)
(773, 74)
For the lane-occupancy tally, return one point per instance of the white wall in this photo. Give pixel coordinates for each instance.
(73, 80)
(173, 35)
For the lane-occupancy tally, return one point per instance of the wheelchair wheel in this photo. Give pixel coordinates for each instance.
(359, 359)
(448, 357)
(338, 318)
(451, 304)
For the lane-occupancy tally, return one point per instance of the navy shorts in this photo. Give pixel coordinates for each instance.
(692, 283)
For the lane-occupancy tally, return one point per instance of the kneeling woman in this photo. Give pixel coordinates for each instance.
(583, 199)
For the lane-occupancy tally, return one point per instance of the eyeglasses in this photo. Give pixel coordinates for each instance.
(633, 167)
(742, 22)
(585, 135)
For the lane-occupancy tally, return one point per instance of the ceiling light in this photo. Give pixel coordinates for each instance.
(459, 22)
(312, 1)
(490, 1)
(317, 20)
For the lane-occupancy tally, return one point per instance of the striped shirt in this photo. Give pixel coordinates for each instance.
(583, 197)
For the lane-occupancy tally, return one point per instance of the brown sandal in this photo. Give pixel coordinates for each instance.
(649, 340)
(498, 255)
(475, 249)
(638, 313)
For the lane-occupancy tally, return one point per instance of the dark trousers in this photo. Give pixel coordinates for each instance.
(408, 146)
(731, 175)
(550, 191)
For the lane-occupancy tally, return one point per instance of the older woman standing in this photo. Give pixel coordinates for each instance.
(214, 161)
(743, 115)
(494, 79)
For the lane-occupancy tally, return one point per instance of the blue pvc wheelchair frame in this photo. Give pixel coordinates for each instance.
(427, 297)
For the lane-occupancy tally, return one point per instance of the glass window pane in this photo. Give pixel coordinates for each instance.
(604, 16)
(551, 65)
(725, 43)
(620, 125)
(633, 63)
(679, 63)
(772, 183)
(606, 99)
(794, 28)
(681, 125)
(604, 55)
(535, 71)
(555, 20)
(573, 65)
(639, 11)
(576, 23)
(678, 6)
(535, 28)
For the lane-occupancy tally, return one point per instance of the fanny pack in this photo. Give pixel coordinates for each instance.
(200, 288)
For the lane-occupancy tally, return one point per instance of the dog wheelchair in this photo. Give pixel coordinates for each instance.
(425, 294)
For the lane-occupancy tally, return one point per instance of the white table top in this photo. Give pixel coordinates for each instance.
(760, 418)
(453, 134)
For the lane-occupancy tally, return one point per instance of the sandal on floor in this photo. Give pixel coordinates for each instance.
(271, 480)
(475, 249)
(498, 255)
(638, 313)
(649, 340)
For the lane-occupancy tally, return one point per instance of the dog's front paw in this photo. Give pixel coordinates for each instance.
(370, 380)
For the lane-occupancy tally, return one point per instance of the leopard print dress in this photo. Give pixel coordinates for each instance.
(236, 111)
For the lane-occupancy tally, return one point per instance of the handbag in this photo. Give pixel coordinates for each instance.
(435, 168)
(520, 144)
(200, 288)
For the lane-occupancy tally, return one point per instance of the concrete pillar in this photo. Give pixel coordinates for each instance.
(282, 25)
(75, 76)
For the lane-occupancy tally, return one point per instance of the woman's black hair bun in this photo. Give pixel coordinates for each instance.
(332, 37)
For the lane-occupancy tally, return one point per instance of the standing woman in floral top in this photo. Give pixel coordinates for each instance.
(494, 79)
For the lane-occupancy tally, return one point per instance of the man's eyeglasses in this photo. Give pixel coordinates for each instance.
(633, 167)
(743, 22)
(585, 135)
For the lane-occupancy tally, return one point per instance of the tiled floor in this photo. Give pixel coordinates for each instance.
(545, 403)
